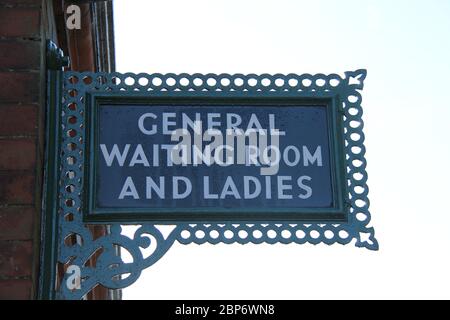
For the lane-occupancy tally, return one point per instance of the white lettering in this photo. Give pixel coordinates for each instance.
(115, 153)
(159, 189)
(296, 156)
(166, 123)
(304, 187)
(141, 124)
(175, 187)
(257, 186)
(139, 157)
(308, 158)
(229, 189)
(128, 189)
(284, 187)
(206, 193)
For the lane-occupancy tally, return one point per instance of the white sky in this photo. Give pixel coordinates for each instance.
(405, 47)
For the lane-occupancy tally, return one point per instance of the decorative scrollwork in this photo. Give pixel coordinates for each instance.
(110, 270)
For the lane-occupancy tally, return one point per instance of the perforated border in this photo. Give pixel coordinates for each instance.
(109, 270)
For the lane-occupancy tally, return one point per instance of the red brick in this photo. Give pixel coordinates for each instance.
(16, 223)
(18, 120)
(19, 87)
(19, 55)
(19, 289)
(20, 22)
(16, 258)
(16, 188)
(17, 154)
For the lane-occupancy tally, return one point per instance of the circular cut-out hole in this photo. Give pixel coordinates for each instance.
(129, 81)
(252, 82)
(211, 82)
(156, 81)
(72, 106)
(198, 82)
(334, 82)
(200, 234)
(306, 82)
(171, 82)
(228, 234)
(70, 174)
(73, 92)
(343, 234)
(87, 80)
(356, 150)
(329, 234)
(265, 82)
(355, 124)
(320, 82)
(184, 82)
(353, 111)
(214, 234)
(359, 189)
(101, 80)
(72, 119)
(73, 79)
(300, 234)
(243, 234)
(238, 82)
(361, 216)
(358, 176)
(70, 188)
(271, 234)
(314, 234)
(71, 160)
(355, 136)
(257, 234)
(357, 163)
(360, 203)
(279, 82)
(70, 202)
(143, 81)
(293, 82)
(286, 234)
(225, 82)
(185, 234)
(352, 98)
(115, 80)
(71, 133)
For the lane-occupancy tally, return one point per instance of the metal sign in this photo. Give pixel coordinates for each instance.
(212, 159)
(220, 158)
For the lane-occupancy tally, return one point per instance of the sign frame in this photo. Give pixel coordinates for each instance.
(336, 213)
(69, 243)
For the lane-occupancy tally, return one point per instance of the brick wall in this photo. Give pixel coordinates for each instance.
(22, 87)
(25, 25)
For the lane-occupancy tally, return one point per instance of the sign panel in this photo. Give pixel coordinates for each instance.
(209, 160)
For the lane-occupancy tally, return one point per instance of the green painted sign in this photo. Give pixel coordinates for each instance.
(209, 159)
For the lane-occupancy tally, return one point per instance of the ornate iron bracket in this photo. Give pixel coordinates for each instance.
(64, 179)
